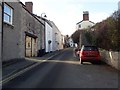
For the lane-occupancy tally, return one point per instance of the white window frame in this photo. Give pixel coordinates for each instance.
(10, 21)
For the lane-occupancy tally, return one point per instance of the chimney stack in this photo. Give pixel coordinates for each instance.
(85, 16)
(29, 6)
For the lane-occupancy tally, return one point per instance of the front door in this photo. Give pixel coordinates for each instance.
(28, 47)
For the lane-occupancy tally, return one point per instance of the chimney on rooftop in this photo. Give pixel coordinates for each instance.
(29, 6)
(85, 16)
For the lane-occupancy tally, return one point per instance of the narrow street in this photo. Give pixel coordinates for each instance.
(64, 71)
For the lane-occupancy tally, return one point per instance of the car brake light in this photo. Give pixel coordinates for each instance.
(98, 54)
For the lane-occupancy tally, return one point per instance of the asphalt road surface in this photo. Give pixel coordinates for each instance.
(64, 71)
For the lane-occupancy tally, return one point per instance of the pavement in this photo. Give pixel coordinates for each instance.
(13, 67)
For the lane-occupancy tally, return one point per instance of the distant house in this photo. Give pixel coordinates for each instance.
(48, 36)
(62, 42)
(52, 36)
(85, 23)
(57, 38)
(66, 41)
(42, 36)
(71, 43)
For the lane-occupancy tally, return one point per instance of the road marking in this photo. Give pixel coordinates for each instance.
(26, 69)
(58, 61)
(18, 73)
(52, 56)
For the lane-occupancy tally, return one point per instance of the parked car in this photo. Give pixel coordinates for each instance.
(89, 54)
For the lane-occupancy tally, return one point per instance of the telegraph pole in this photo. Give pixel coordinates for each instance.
(80, 39)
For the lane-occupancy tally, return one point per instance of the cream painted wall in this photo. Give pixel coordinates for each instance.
(56, 38)
(84, 25)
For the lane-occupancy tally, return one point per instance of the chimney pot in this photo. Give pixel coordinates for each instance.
(29, 6)
(85, 16)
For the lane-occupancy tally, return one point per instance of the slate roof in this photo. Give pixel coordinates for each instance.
(83, 20)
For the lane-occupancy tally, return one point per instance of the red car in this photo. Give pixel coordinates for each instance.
(89, 54)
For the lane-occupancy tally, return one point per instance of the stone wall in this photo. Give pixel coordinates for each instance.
(111, 58)
(12, 34)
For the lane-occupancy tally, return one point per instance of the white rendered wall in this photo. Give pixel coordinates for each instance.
(85, 25)
(48, 36)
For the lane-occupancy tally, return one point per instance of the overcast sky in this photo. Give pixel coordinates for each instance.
(66, 13)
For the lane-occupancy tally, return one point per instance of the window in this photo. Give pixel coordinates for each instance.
(79, 26)
(90, 48)
(8, 14)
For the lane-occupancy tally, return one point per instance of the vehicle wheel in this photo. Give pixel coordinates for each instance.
(81, 62)
(97, 62)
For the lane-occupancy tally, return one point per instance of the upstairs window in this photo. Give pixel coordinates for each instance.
(79, 26)
(8, 11)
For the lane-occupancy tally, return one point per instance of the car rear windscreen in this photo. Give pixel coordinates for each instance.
(90, 48)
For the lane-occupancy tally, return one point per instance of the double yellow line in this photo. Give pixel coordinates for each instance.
(24, 70)
(17, 74)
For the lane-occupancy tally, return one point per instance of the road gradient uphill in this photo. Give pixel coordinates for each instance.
(26, 67)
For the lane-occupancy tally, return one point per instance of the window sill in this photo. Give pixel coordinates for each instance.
(8, 24)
